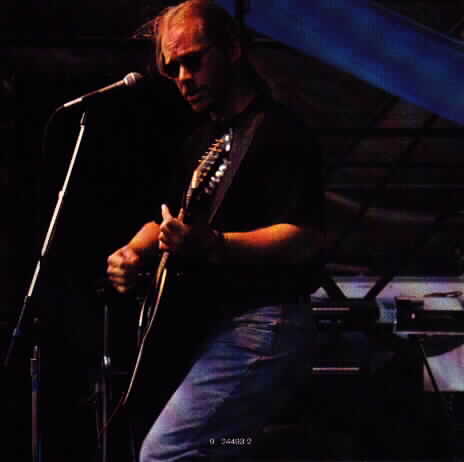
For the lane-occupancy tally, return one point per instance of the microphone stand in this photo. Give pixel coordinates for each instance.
(17, 332)
(103, 384)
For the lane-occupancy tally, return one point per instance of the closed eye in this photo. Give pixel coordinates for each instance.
(191, 61)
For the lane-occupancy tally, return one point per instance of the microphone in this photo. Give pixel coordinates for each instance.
(130, 80)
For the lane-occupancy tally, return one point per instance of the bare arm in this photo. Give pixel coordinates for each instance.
(145, 242)
(279, 243)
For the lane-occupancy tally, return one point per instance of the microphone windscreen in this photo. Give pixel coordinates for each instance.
(131, 79)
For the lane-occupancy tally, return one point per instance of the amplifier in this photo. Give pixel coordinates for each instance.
(353, 313)
(429, 315)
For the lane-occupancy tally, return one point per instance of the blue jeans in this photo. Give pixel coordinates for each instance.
(241, 378)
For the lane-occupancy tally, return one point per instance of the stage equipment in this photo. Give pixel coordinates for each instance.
(129, 81)
(35, 363)
(373, 43)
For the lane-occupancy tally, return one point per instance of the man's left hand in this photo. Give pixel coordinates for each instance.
(173, 232)
(182, 239)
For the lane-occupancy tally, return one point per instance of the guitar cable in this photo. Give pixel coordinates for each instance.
(152, 316)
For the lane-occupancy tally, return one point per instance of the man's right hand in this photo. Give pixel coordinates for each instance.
(128, 261)
(123, 266)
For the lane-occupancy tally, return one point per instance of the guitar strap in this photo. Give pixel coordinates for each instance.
(242, 137)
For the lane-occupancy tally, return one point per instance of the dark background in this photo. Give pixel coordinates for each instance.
(52, 52)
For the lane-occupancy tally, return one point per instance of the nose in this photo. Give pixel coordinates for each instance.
(184, 73)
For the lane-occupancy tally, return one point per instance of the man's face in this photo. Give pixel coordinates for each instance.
(200, 70)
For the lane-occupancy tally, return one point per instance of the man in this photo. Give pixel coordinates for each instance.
(256, 246)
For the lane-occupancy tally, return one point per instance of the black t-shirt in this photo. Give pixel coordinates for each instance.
(279, 180)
